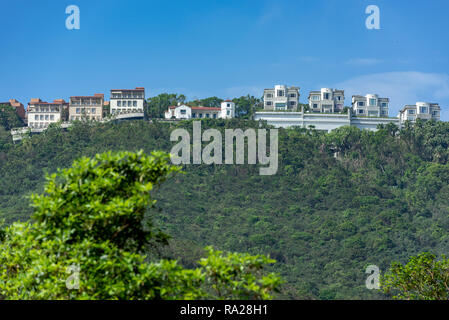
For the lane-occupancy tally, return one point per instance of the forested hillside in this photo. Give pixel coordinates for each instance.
(338, 203)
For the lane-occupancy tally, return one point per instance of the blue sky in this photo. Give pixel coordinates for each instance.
(226, 48)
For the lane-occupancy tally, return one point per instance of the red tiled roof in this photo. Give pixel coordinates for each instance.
(39, 101)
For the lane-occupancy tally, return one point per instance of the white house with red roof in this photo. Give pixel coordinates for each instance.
(182, 111)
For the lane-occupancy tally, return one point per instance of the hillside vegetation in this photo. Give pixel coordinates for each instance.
(338, 203)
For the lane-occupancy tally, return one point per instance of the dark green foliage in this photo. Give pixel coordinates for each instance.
(339, 202)
(9, 118)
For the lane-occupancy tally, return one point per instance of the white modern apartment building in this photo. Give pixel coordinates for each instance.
(420, 110)
(370, 106)
(127, 100)
(182, 111)
(327, 100)
(41, 114)
(281, 98)
(86, 107)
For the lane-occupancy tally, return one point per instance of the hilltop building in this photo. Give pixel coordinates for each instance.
(327, 100)
(182, 111)
(420, 110)
(86, 107)
(281, 98)
(41, 114)
(127, 100)
(370, 105)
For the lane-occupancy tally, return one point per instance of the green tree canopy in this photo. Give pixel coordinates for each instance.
(423, 277)
(91, 222)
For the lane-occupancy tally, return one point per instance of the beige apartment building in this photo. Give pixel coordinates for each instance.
(86, 107)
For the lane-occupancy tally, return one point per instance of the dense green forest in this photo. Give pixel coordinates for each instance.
(339, 202)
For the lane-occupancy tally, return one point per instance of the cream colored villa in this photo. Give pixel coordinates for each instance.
(327, 100)
(370, 106)
(281, 98)
(420, 110)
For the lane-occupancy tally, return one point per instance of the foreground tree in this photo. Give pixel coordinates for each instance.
(90, 232)
(423, 277)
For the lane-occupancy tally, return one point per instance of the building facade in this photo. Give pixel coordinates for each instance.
(370, 106)
(182, 111)
(281, 98)
(127, 100)
(327, 100)
(420, 110)
(41, 114)
(86, 107)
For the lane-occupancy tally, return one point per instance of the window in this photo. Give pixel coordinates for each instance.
(193, 115)
(129, 103)
(228, 105)
(315, 98)
(269, 103)
(207, 115)
(183, 111)
(78, 110)
(411, 111)
(384, 105)
(360, 103)
(435, 113)
(315, 106)
(423, 109)
(36, 117)
(42, 117)
(269, 95)
(228, 112)
(292, 103)
(326, 96)
(339, 98)
(292, 95)
(215, 116)
(280, 93)
(372, 102)
(94, 110)
(384, 112)
(134, 103)
(52, 117)
(361, 111)
(119, 103)
(201, 115)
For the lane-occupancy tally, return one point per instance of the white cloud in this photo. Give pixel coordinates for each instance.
(402, 88)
